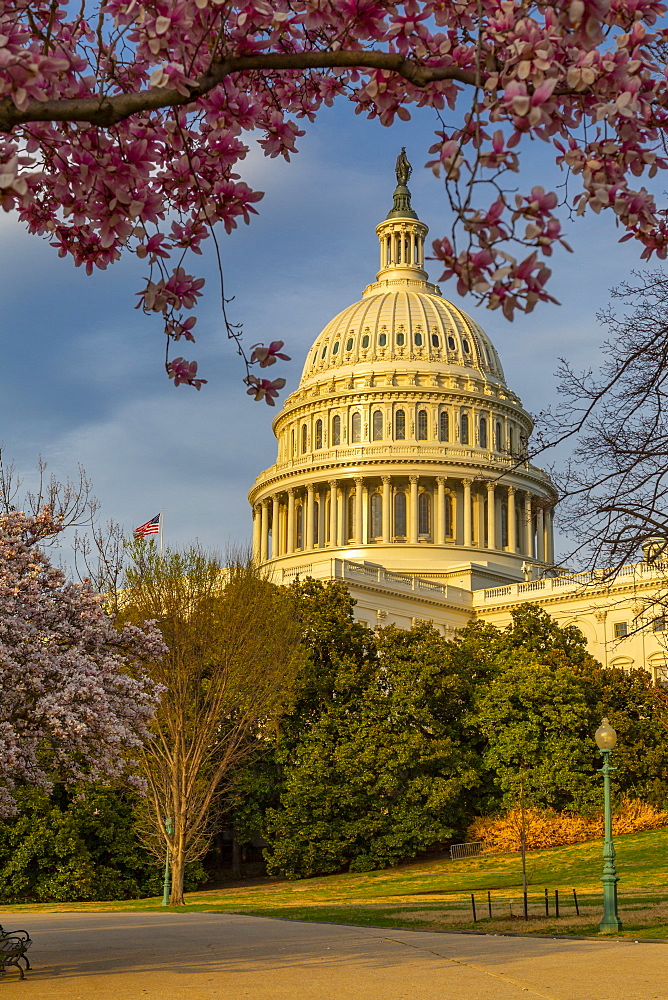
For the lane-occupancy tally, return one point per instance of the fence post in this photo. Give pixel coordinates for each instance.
(577, 908)
(547, 903)
(556, 902)
(489, 904)
(526, 906)
(473, 907)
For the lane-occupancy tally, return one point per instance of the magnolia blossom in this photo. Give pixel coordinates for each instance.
(125, 125)
(75, 698)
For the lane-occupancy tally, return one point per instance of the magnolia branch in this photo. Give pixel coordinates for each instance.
(105, 111)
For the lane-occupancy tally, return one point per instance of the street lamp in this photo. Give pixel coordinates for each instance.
(166, 885)
(606, 738)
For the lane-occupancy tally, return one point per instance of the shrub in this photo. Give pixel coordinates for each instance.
(546, 828)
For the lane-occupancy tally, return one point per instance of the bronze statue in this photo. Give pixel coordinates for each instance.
(403, 169)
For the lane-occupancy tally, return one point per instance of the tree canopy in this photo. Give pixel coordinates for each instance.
(125, 126)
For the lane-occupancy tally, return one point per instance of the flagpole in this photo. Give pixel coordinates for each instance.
(162, 522)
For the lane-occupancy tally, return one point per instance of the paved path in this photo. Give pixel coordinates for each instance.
(212, 956)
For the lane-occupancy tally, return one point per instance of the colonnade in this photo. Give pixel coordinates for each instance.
(365, 510)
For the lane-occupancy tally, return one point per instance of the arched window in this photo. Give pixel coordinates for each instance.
(464, 429)
(443, 426)
(324, 351)
(300, 526)
(400, 425)
(351, 516)
(336, 430)
(400, 515)
(422, 425)
(377, 425)
(356, 428)
(511, 440)
(318, 433)
(435, 342)
(335, 349)
(451, 343)
(448, 517)
(382, 340)
(376, 515)
(292, 442)
(304, 437)
(424, 515)
(349, 344)
(401, 339)
(483, 432)
(365, 341)
(418, 339)
(498, 435)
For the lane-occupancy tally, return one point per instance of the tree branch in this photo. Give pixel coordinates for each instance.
(106, 111)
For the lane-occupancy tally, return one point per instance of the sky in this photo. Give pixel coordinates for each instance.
(83, 381)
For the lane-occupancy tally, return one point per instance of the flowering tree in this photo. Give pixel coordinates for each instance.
(123, 125)
(74, 699)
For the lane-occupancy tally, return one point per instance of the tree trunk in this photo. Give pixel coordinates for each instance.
(178, 866)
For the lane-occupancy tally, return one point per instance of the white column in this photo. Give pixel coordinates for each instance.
(549, 535)
(332, 513)
(413, 509)
(440, 510)
(512, 540)
(359, 510)
(264, 540)
(322, 513)
(528, 526)
(257, 533)
(540, 536)
(310, 516)
(387, 508)
(275, 526)
(466, 483)
(290, 540)
(491, 516)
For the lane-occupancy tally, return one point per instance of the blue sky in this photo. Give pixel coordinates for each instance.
(83, 378)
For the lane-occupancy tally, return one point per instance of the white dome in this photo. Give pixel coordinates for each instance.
(404, 328)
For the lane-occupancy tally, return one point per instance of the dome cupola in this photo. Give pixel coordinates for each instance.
(402, 445)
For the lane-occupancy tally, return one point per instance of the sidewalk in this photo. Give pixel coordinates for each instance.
(211, 956)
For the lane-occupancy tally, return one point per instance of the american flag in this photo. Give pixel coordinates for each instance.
(150, 528)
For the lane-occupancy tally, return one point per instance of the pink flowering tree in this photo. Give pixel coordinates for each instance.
(75, 699)
(124, 126)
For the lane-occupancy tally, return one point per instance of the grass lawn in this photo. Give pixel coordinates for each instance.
(435, 895)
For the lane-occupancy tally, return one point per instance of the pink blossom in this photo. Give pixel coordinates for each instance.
(262, 388)
(267, 356)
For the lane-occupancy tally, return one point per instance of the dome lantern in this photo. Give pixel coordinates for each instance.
(401, 236)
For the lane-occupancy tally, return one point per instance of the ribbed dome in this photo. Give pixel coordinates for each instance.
(398, 325)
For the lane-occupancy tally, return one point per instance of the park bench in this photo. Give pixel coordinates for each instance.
(13, 948)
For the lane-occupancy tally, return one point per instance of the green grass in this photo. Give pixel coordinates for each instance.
(436, 894)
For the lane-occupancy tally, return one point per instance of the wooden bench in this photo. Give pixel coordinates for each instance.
(13, 948)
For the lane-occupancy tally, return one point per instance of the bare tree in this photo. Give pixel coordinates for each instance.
(615, 487)
(70, 502)
(233, 657)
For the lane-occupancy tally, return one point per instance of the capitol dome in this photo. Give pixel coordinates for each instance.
(402, 446)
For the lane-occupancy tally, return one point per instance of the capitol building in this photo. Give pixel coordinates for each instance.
(402, 471)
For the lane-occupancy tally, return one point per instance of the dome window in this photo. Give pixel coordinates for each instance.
(335, 349)
(401, 339)
(365, 341)
(443, 426)
(376, 516)
(377, 425)
(400, 515)
(464, 429)
(356, 426)
(304, 438)
(451, 344)
(400, 425)
(483, 432)
(324, 352)
(318, 433)
(336, 430)
(466, 346)
(418, 339)
(422, 425)
(349, 345)
(382, 340)
(498, 435)
(424, 515)
(435, 341)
